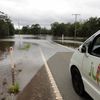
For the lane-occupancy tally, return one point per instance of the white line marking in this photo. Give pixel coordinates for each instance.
(52, 81)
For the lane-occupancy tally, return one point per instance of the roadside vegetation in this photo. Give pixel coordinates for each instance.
(14, 88)
(6, 25)
(84, 28)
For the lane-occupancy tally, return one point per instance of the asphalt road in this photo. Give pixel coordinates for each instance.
(59, 66)
(58, 61)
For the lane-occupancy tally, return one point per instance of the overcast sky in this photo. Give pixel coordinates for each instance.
(45, 12)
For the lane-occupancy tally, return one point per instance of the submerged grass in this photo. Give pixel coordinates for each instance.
(13, 88)
(25, 47)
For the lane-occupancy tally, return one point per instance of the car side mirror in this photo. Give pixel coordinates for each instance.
(83, 49)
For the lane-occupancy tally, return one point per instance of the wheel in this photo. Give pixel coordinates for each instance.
(77, 82)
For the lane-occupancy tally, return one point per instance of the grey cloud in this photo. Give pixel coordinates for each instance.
(26, 15)
(94, 4)
(44, 21)
(17, 1)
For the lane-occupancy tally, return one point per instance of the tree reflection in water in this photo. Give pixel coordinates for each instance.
(4, 48)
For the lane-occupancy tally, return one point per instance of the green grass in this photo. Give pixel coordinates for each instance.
(25, 47)
(13, 88)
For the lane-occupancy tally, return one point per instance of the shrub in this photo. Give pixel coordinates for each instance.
(14, 88)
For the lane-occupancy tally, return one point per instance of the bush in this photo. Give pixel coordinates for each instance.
(14, 89)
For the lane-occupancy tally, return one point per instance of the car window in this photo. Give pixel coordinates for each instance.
(96, 47)
(88, 44)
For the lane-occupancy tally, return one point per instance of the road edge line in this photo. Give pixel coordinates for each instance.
(52, 81)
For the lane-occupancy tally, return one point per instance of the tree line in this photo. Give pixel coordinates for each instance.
(6, 26)
(83, 29)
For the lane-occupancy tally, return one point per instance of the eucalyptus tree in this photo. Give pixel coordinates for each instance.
(6, 26)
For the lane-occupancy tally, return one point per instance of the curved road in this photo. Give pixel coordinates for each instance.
(59, 66)
(58, 58)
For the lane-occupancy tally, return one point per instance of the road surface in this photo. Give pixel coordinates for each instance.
(58, 58)
(59, 66)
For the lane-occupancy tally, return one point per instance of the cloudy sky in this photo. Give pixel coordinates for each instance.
(45, 12)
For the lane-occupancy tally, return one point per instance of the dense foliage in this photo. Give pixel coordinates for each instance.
(83, 29)
(6, 26)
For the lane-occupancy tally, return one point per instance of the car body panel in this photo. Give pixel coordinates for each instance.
(89, 68)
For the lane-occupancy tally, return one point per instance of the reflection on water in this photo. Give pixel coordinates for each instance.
(7, 37)
(36, 37)
(4, 48)
(41, 37)
(19, 42)
(81, 39)
(21, 56)
(72, 45)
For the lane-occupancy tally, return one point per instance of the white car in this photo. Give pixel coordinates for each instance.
(85, 67)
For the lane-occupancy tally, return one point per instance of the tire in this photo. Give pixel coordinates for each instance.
(77, 82)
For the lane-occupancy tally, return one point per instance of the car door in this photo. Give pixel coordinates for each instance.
(91, 65)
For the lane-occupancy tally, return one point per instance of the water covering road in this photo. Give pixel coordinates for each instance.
(31, 53)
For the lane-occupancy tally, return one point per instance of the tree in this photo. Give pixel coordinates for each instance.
(25, 30)
(89, 27)
(58, 29)
(44, 31)
(6, 27)
(3, 29)
(35, 29)
(84, 29)
(92, 25)
(11, 28)
(54, 27)
(70, 29)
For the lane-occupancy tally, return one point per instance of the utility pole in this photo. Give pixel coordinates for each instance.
(76, 15)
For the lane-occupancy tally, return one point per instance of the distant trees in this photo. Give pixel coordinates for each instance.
(34, 29)
(45, 31)
(58, 29)
(83, 29)
(92, 25)
(24, 30)
(6, 26)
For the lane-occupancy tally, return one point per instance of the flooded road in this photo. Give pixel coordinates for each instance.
(26, 57)
(28, 61)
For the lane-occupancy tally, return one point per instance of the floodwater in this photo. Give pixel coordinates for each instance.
(4, 48)
(26, 56)
(22, 56)
(18, 43)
